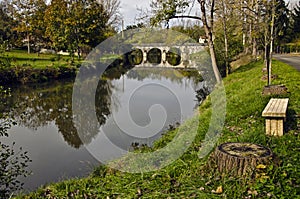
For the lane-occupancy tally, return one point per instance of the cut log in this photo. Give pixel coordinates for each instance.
(241, 159)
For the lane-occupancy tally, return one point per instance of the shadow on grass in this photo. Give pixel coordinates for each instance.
(291, 120)
(245, 68)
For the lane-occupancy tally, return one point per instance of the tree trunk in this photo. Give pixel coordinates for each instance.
(255, 24)
(271, 45)
(241, 159)
(227, 65)
(209, 35)
(28, 43)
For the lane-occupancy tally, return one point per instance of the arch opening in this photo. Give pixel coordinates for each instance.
(173, 56)
(154, 56)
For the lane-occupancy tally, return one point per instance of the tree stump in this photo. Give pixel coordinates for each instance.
(241, 159)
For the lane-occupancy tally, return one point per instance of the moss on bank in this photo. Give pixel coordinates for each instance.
(189, 176)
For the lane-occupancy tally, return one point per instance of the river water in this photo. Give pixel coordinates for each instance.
(44, 122)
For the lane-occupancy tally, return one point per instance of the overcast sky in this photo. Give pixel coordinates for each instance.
(129, 9)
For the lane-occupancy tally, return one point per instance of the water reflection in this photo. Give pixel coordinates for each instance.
(44, 118)
(35, 106)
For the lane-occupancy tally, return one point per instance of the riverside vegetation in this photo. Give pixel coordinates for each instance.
(190, 176)
(17, 66)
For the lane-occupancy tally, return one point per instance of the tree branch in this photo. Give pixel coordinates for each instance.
(185, 16)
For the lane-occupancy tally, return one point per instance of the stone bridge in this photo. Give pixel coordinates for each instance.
(185, 50)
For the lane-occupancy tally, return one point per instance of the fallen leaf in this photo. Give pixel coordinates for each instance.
(219, 190)
(261, 166)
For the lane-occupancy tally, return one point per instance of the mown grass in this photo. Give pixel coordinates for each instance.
(34, 60)
(190, 176)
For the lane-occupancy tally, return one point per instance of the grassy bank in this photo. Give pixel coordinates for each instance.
(189, 176)
(19, 67)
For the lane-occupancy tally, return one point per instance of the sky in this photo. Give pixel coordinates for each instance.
(129, 9)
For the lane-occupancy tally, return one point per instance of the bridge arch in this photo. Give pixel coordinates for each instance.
(173, 56)
(154, 56)
(179, 53)
(136, 56)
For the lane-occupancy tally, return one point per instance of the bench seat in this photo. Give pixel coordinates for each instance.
(275, 114)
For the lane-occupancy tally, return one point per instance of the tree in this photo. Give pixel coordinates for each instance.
(227, 28)
(73, 25)
(24, 9)
(6, 26)
(276, 24)
(195, 32)
(282, 25)
(38, 25)
(112, 8)
(55, 17)
(296, 20)
(170, 9)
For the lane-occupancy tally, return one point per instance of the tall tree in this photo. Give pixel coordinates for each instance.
(6, 25)
(75, 24)
(112, 8)
(276, 24)
(174, 9)
(296, 20)
(24, 10)
(55, 17)
(38, 25)
(281, 23)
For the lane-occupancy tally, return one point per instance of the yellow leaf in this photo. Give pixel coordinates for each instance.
(219, 190)
(261, 166)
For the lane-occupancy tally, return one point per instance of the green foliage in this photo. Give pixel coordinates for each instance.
(191, 177)
(166, 10)
(195, 32)
(282, 22)
(13, 163)
(72, 25)
(296, 19)
(60, 24)
(6, 26)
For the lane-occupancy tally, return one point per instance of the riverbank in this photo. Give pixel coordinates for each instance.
(189, 176)
(19, 67)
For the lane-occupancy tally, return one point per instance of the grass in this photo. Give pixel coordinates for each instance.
(192, 177)
(17, 66)
(35, 60)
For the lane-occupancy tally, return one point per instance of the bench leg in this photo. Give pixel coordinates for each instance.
(274, 126)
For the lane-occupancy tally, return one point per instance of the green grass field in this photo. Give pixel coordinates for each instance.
(190, 176)
(35, 60)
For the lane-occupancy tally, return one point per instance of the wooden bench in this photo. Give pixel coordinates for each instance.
(275, 114)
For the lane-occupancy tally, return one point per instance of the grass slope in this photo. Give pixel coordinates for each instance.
(189, 176)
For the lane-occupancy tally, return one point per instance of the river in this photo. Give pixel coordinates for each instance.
(44, 122)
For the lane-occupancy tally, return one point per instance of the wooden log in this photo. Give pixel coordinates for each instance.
(241, 159)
